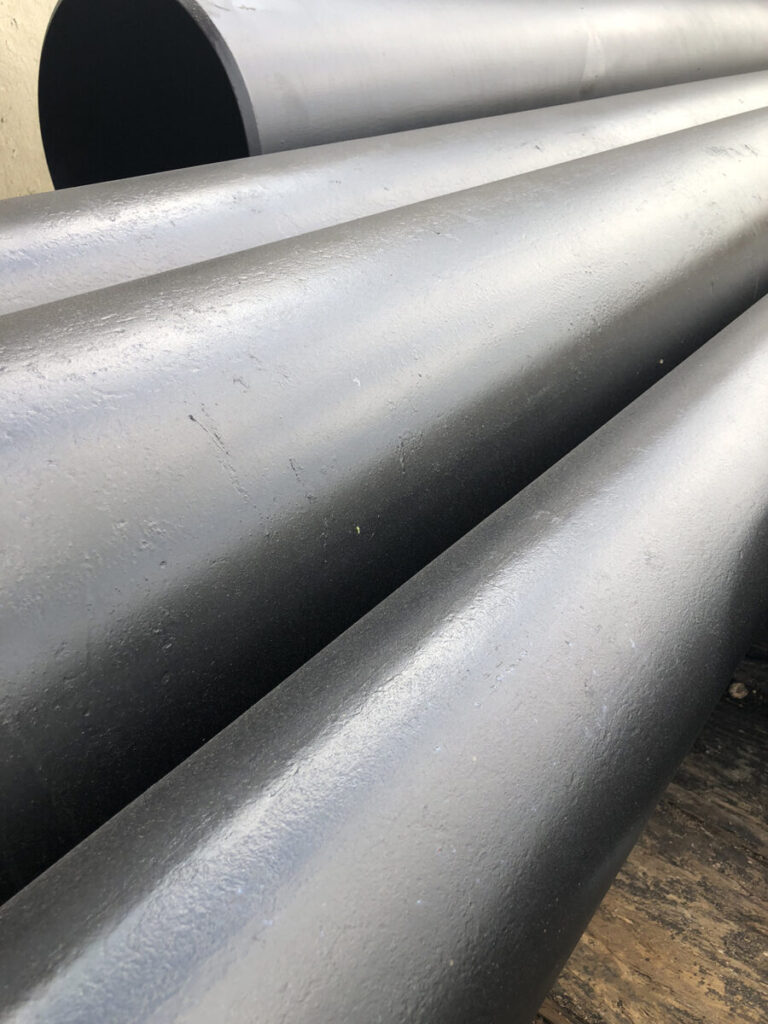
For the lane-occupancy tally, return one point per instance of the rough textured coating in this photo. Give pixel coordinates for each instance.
(418, 824)
(211, 473)
(77, 240)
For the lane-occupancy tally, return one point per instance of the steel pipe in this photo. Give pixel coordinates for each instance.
(211, 473)
(64, 243)
(418, 824)
(134, 86)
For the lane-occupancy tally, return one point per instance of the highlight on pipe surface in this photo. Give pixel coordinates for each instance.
(129, 87)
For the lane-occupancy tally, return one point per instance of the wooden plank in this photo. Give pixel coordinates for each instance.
(682, 936)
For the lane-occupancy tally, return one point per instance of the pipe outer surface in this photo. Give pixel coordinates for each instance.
(75, 240)
(419, 823)
(131, 88)
(210, 474)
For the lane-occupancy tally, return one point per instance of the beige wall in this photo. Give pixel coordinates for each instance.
(22, 162)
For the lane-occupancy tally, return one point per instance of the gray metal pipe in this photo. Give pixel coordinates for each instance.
(211, 473)
(419, 823)
(135, 86)
(63, 243)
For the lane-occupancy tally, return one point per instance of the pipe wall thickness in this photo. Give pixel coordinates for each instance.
(150, 85)
(211, 473)
(77, 240)
(419, 823)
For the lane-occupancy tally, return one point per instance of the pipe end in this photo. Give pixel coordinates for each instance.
(130, 87)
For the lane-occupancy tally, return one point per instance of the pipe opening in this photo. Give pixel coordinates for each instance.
(130, 87)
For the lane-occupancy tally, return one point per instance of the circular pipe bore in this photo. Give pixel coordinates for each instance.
(130, 87)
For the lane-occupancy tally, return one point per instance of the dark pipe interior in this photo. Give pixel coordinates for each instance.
(129, 87)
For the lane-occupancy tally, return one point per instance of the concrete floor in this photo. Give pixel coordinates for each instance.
(22, 161)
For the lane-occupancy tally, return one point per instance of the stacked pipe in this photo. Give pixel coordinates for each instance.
(419, 822)
(129, 88)
(80, 239)
(268, 393)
